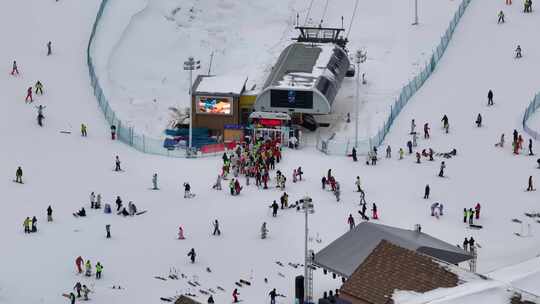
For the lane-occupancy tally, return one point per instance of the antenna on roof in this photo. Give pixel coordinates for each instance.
(341, 21)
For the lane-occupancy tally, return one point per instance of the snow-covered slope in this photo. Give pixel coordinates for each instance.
(62, 169)
(142, 45)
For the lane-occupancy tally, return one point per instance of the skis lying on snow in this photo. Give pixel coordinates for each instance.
(248, 283)
(141, 212)
(280, 264)
(160, 278)
(533, 215)
(515, 220)
(473, 226)
(221, 288)
(281, 274)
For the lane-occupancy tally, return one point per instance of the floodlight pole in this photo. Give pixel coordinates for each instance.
(360, 57)
(308, 293)
(416, 12)
(191, 65)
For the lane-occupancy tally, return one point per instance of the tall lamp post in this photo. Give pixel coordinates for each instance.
(191, 65)
(415, 12)
(307, 205)
(360, 57)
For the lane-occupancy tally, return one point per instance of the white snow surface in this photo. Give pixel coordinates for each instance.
(142, 45)
(62, 169)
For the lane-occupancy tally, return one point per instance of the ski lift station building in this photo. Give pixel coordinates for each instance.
(305, 79)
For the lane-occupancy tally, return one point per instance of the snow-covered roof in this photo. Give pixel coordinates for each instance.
(347, 253)
(300, 65)
(224, 84)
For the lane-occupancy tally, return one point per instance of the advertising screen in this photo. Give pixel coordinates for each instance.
(291, 99)
(214, 105)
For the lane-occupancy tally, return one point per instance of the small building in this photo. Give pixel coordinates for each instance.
(305, 79)
(348, 252)
(216, 102)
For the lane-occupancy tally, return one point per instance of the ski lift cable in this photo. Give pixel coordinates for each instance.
(324, 11)
(308, 12)
(352, 19)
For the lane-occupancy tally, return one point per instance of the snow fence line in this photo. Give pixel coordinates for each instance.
(331, 146)
(125, 133)
(531, 109)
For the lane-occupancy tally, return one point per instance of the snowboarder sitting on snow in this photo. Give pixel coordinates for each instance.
(433, 207)
(123, 212)
(191, 254)
(81, 212)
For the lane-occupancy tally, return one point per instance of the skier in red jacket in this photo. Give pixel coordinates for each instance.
(79, 262)
(29, 95)
(235, 295)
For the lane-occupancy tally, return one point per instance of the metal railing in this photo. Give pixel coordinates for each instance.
(125, 133)
(533, 106)
(331, 146)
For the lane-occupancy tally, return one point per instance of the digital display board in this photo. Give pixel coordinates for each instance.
(291, 99)
(214, 105)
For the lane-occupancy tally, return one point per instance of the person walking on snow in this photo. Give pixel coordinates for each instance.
(108, 231)
(113, 132)
(92, 200)
(29, 98)
(88, 268)
(275, 208)
(477, 211)
(409, 146)
(18, 175)
(273, 295)
(83, 130)
(388, 152)
(518, 51)
(446, 124)
(264, 231)
(78, 288)
(418, 157)
(358, 184)
(401, 153)
(26, 224)
(15, 70)
(181, 233)
(530, 148)
(216, 228)
(375, 213)
(530, 186)
(99, 270)
(441, 171)
(49, 214)
(85, 291)
(79, 263)
(413, 127)
(471, 216)
(353, 154)
(501, 17)
(235, 295)
(154, 182)
(39, 88)
(466, 244)
(191, 254)
(426, 131)
(501, 142)
(490, 97)
(426, 192)
(49, 48)
(117, 163)
(479, 120)
(350, 221)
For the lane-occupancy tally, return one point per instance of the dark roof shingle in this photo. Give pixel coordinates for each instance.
(390, 267)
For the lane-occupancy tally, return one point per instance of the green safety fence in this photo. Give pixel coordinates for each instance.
(533, 106)
(340, 147)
